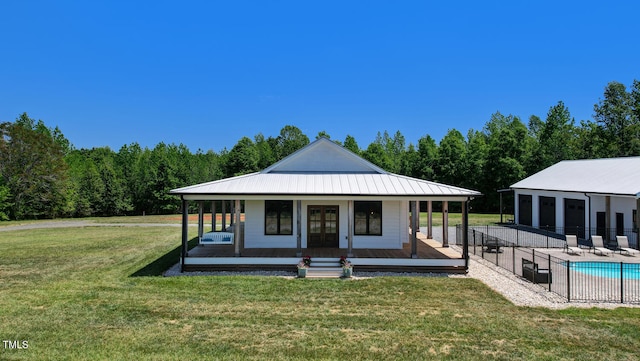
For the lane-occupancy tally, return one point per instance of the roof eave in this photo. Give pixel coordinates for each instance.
(282, 196)
(591, 192)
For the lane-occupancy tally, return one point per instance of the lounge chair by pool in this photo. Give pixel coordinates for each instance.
(623, 246)
(572, 244)
(598, 246)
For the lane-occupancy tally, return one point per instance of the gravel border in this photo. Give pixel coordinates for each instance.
(524, 293)
(174, 271)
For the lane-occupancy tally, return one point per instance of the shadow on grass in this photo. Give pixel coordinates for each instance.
(164, 262)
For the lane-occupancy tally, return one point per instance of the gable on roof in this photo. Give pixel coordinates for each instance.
(324, 168)
(323, 156)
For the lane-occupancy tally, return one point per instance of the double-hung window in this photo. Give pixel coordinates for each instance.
(278, 217)
(368, 218)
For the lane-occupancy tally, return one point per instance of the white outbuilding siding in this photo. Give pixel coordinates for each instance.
(560, 198)
(608, 189)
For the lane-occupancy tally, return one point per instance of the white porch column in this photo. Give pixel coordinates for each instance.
(445, 223)
(414, 229)
(298, 228)
(236, 228)
(637, 219)
(638, 211)
(350, 223)
(607, 222)
(200, 220)
(429, 219)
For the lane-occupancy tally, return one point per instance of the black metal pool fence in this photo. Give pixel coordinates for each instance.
(515, 250)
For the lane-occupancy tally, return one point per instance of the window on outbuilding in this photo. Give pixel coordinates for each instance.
(278, 217)
(368, 218)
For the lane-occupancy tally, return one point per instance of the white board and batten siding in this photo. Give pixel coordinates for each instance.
(395, 225)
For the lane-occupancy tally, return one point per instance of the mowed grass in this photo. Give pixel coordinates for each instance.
(70, 293)
(475, 219)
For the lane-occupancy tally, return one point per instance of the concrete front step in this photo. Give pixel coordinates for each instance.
(324, 272)
(325, 262)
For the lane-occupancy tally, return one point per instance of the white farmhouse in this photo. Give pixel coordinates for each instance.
(321, 201)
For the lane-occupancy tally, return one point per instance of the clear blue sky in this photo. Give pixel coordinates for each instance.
(206, 73)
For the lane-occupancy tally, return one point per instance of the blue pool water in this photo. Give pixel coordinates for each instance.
(607, 269)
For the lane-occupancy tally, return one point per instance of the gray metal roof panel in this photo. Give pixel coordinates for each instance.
(324, 168)
(604, 176)
(325, 184)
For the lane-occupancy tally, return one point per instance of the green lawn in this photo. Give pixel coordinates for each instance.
(475, 219)
(70, 293)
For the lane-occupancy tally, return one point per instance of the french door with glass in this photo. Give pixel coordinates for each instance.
(322, 226)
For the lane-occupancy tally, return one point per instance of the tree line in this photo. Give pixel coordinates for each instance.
(43, 176)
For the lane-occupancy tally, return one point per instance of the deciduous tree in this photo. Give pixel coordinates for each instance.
(451, 158)
(555, 139)
(290, 139)
(33, 169)
(242, 159)
(616, 116)
(351, 144)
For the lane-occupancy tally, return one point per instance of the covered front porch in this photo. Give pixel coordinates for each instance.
(427, 248)
(419, 252)
(325, 202)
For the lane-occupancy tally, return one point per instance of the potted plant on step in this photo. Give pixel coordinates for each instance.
(303, 266)
(347, 268)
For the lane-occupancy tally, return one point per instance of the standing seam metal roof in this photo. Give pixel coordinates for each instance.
(619, 176)
(308, 172)
(325, 184)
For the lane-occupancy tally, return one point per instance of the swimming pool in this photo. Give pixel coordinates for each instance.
(607, 269)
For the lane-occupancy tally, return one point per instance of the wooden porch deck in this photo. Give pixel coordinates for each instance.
(427, 249)
(431, 257)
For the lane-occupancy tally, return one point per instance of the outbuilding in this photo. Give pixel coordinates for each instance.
(583, 198)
